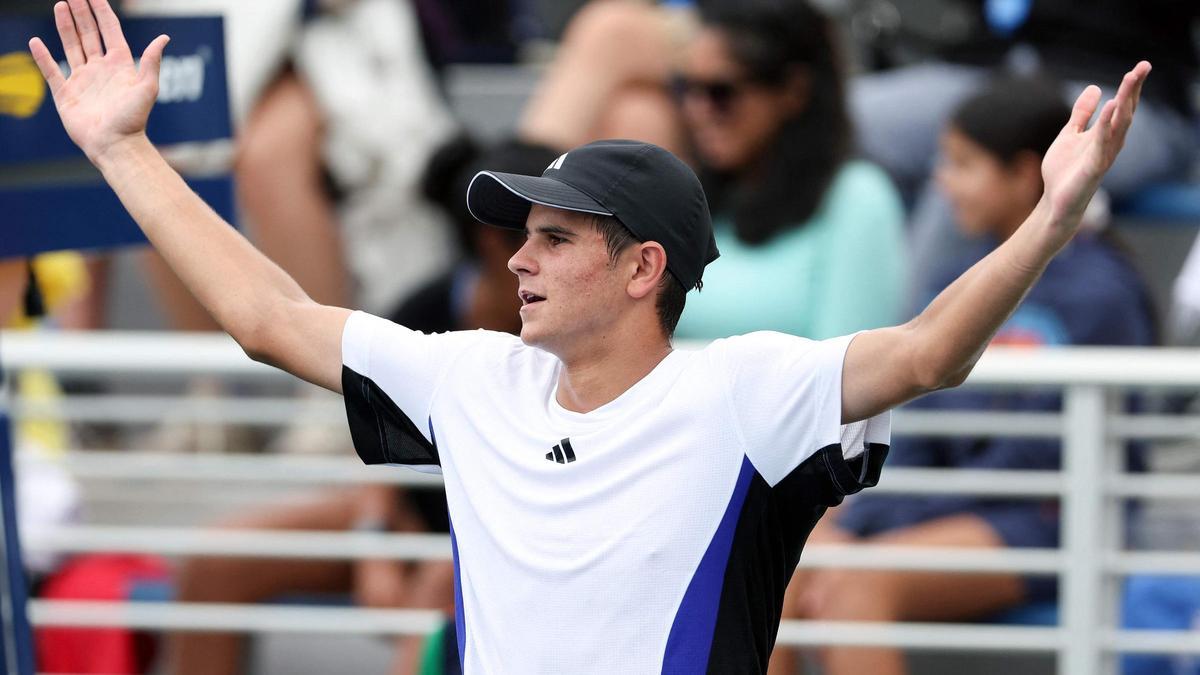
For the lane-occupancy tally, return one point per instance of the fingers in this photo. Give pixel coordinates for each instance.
(1130, 91)
(152, 58)
(1131, 85)
(68, 35)
(1117, 115)
(1085, 106)
(110, 27)
(89, 33)
(1105, 122)
(46, 64)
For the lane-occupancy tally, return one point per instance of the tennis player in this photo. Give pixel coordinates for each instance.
(617, 506)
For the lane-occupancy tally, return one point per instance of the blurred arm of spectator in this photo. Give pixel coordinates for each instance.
(286, 203)
(13, 275)
(608, 80)
(336, 112)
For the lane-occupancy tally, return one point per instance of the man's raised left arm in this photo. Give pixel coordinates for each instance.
(887, 367)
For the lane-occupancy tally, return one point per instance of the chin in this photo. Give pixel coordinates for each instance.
(531, 336)
(718, 161)
(969, 225)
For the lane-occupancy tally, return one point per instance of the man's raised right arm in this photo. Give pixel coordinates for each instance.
(104, 105)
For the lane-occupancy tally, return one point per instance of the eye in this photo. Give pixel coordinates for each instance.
(555, 240)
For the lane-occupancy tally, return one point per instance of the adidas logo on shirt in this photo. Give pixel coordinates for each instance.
(562, 453)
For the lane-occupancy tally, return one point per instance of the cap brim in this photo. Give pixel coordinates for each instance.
(504, 199)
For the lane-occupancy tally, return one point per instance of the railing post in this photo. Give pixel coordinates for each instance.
(1081, 583)
(1113, 526)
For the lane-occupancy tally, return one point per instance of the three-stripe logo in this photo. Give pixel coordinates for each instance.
(562, 453)
(557, 164)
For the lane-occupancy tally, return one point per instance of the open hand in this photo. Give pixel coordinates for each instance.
(106, 99)
(1079, 157)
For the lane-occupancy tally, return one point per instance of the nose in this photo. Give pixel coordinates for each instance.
(522, 261)
(696, 109)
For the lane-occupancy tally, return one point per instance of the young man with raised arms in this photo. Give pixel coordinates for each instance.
(616, 505)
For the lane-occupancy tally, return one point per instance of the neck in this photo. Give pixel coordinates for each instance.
(588, 382)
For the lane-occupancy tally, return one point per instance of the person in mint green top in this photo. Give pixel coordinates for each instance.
(841, 271)
(812, 242)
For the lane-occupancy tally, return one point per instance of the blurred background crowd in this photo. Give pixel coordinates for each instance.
(857, 156)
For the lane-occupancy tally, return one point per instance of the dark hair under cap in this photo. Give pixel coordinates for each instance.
(1012, 115)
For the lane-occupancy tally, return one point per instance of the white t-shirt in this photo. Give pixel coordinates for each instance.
(656, 533)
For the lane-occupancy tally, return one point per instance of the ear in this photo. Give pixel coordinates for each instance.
(651, 264)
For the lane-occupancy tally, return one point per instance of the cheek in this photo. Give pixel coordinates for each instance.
(740, 134)
(758, 121)
(593, 290)
(582, 290)
(966, 188)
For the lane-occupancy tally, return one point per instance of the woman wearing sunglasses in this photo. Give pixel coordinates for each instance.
(811, 239)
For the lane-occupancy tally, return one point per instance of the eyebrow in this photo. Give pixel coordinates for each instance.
(553, 229)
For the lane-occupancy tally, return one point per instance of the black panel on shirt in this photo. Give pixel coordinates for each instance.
(382, 433)
(771, 531)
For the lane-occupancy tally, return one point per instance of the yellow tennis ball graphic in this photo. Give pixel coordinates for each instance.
(22, 89)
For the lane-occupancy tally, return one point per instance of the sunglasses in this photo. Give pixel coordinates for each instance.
(722, 95)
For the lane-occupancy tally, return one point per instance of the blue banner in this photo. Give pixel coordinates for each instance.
(56, 217)
(193, 97)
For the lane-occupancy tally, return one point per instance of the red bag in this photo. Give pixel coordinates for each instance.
(122, 651)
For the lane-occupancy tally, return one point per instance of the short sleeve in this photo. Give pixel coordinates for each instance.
(390, 376)
(786, 394)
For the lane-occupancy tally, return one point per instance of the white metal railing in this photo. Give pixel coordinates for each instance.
(1091, 484)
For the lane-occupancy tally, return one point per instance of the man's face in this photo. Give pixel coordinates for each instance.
(570, 291)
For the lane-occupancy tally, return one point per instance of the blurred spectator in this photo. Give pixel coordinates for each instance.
(1089, 295)
(900, 112)
(610, 79)
(337, 112)
(479, 292)
(811, 241)
(759, 108)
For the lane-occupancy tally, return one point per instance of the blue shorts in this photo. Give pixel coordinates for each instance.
(1027, 525)
(1019, 524)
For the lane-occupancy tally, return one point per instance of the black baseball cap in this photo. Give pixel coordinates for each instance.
(648, 189)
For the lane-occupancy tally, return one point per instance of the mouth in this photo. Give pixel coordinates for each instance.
(528, 298)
